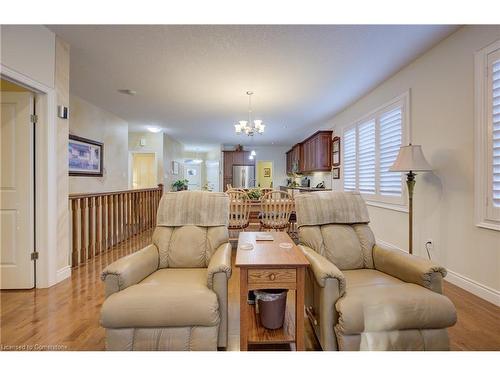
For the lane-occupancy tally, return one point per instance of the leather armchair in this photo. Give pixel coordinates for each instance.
(172, 294)
(360, 295)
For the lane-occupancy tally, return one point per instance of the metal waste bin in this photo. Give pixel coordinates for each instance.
(271, 305)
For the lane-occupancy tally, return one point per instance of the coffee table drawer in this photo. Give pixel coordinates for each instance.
(270, 277)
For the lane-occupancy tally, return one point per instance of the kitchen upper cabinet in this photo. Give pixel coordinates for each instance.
(313, 154)
(293, 159)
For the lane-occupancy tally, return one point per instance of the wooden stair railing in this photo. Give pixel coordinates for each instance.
(100, 221)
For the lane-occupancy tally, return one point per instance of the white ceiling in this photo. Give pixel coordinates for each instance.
(191, 80)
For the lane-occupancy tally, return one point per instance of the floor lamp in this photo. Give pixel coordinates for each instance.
(410, 159)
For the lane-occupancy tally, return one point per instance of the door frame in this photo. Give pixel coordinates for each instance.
(46, 200)
(130, 165)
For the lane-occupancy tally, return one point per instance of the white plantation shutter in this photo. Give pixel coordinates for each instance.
(350, 159)
(487, 137)
(366, 157)
(495, 141)
(370, 147)
(391, 136)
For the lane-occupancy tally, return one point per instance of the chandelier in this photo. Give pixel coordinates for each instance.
(248, 127)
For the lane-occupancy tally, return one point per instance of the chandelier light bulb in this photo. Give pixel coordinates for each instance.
(253, 153)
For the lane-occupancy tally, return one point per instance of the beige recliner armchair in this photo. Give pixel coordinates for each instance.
(172, 295)
(360, 295)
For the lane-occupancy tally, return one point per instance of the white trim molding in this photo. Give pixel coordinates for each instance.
(63, 273)
(46, 177)
(478, 289)
(482, 291)
(481, 139)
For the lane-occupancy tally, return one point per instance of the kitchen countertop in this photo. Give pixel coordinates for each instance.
(305, 188)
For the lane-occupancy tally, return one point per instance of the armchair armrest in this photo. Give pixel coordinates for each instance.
(220, 262)
(323, 269)
(218, 273)
(409, 268)
(130, 270)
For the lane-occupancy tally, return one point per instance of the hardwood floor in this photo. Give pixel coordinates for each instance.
(66, 316)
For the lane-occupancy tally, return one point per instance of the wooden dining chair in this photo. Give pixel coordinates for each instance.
(239, 209)
(276, 207)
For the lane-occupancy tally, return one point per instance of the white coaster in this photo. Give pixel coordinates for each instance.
(246, 246)
(286, 245)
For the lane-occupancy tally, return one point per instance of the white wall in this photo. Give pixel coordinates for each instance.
(30, 50)
(89, 121)
(442, 107)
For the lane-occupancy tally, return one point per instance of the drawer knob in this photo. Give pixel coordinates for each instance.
(272, 277)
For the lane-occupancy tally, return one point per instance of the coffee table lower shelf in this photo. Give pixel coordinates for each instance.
(257, 334)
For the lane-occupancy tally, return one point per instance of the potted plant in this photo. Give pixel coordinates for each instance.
(254, 194)
(180, 185)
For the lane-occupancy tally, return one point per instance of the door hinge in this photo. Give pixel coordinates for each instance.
(34, 255)
(34, 119)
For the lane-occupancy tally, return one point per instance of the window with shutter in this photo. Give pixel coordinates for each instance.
(370, 148)
(350, 159)
(493, 115)
(487, 137)
(496, 133)
(391, 136)
(366, 157)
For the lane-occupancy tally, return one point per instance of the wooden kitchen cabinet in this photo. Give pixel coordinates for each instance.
(294, 157)
(313, 154)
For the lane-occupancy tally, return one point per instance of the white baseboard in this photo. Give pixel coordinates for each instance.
(478, 289)
(63, 274)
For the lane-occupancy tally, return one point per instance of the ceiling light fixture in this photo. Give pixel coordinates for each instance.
(154, 129)
(248, 127)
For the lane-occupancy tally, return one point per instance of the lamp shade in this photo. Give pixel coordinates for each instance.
(410, 158)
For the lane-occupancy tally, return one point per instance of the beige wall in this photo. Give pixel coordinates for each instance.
(90, 121)
(442, 107)
(154, 144)
(30, 50)
(62, 93)
(172, 150)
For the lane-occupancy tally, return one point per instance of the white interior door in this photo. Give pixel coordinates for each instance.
(16, 191)
(213, 175)
(192, 174)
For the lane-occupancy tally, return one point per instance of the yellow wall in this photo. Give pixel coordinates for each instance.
(11, 87)
(265, 182)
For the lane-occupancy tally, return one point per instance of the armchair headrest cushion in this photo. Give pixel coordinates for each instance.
(201, 208)
(327, 207)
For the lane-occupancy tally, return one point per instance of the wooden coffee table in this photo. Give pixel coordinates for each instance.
(268, 266)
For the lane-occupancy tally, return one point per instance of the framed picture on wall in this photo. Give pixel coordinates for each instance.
(336, 173)
(267, 172)
(336, 151)
(85, 157)
(175, 167)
